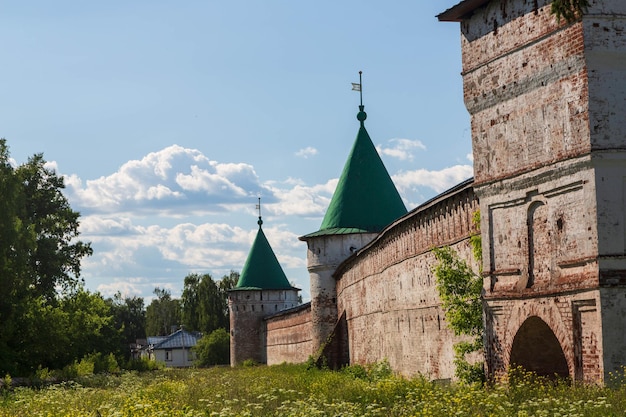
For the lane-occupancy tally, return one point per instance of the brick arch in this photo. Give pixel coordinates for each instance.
(547, 313)
(536, 348)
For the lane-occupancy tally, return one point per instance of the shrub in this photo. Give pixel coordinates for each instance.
(143, 364)
(213, 349)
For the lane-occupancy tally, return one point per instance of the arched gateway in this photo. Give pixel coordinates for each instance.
(536, 348)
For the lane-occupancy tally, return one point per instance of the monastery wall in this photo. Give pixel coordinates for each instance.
(288, 336)
(387, 290)
(548, 110)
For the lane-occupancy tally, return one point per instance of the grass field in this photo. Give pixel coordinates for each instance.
(294, 390)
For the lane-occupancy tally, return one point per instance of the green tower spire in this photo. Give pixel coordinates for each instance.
(262, 271)
(366, 199)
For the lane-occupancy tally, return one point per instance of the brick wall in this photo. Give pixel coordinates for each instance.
(388, 294)
(288, 336)
(548, 110)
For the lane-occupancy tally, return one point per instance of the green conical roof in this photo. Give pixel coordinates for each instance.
(365, 200)
(262, 270)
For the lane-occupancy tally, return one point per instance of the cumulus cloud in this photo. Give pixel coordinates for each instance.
(302, 200)
(171, 178)
(436, 180)
(186, 247)
(306, 152)
(401, 149)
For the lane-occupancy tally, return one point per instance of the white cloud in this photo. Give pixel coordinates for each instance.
(302, 200)
(169, 179)
(437, 180)
(470, 157)
(306, 152)
(132, 287)
(401, 149)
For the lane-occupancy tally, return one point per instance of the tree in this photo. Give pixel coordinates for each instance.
(129, 315)
(45, 212)
(227, 283)
(39, 253)
(162, 314)
(204, 305)
(190, 302)
(213, 349)
(205, 302)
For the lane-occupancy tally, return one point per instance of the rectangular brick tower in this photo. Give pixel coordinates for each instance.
(547, 100)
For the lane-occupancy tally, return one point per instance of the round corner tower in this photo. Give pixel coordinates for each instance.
(364, 202)
(262, 290)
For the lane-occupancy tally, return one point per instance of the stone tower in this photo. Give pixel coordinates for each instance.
(547, 100)
(262, 290)
(364, 202)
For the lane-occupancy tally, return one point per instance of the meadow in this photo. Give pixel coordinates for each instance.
(295, 390)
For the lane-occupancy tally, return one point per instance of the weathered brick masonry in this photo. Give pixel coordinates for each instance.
(388, 291)
(288, 336)
(548, 110)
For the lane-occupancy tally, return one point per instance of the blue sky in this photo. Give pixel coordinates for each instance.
(169, 119)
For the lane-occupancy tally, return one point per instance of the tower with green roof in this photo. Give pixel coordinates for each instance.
(262, 290)
(365, 201)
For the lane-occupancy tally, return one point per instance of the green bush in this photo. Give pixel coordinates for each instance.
(213, 349)
(143, 364)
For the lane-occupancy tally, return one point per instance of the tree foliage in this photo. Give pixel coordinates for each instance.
(39, 254)
(205, 302)
(569, 10)
(129, 316)
(163, 314)
(213, 349)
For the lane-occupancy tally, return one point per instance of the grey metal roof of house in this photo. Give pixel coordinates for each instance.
(179, 339)
(155, 340)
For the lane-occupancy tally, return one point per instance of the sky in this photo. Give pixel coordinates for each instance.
(168, 120)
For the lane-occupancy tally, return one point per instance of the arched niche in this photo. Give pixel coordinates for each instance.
(539, 244)
(537, 349)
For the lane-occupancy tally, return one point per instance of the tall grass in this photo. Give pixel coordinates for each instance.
(294, 390)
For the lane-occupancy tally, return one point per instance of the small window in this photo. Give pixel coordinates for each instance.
(168, 355)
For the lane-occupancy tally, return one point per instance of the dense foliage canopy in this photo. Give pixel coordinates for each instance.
(39, 268)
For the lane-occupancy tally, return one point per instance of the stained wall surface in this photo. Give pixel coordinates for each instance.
(388, 292)
(548, 110)
(288, 336)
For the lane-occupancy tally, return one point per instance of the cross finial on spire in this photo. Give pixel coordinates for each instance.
(258, 207)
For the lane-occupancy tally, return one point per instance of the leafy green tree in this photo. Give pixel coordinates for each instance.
(56, 255)
(39, 253)
(91, 327)
(213, 349)
(190, 302)
(204, 305)
(227, 283)
(205, 301)
(163, 313)
(129, 315)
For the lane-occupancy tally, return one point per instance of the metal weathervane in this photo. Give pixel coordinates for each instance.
(358, 86)
(258, 207)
